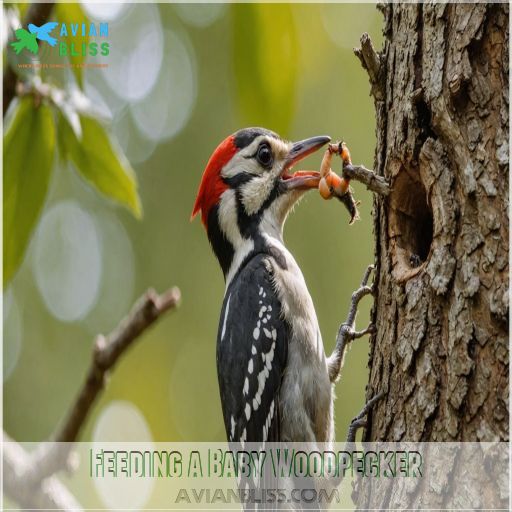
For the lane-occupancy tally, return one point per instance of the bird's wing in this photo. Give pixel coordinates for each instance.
(43, 29)
(252, 348)
(48, 27)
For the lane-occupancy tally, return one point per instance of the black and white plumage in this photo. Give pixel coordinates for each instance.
(274, 377)
(253, 343)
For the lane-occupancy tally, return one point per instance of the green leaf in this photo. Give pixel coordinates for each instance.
(29, 145)
(73, 13)
(265, 62)
(101, 163)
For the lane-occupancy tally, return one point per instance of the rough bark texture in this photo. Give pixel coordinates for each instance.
(441, 351)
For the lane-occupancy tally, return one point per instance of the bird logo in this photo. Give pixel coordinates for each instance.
(27, 39)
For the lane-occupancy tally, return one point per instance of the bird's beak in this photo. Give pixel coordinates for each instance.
(298, 151)
(305, 147)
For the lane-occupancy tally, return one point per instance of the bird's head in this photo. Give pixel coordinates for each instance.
(248, 188)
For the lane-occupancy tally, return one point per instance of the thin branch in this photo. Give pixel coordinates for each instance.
(49, 458)
(373, 182)
(149, 308)
(38, 14)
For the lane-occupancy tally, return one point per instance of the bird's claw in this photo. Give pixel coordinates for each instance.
(361, 420)
(367, 274)
(354, 335)
(358, 423)
(346, 331)
(363, 290)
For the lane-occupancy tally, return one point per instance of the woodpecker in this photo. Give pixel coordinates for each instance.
(276, 383)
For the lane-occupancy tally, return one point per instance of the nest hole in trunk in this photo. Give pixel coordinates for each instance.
(411, 225)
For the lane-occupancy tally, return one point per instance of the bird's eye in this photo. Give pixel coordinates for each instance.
(264, 155)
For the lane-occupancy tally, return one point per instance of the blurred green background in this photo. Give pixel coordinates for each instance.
(180, 79)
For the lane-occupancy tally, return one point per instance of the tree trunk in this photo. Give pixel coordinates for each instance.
(440, 352)
(440, 87)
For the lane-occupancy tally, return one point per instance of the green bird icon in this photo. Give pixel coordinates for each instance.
(25, 40)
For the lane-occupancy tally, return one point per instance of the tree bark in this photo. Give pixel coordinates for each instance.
(440, 353)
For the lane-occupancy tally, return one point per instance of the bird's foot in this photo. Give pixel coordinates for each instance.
(361, 420)
(352, 334)
(362, 291)
(347, 332)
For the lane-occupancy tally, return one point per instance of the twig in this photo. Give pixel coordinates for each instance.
(371, 61)
(38, 14)
(50, 458)
(346, 332)
(373, 182)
